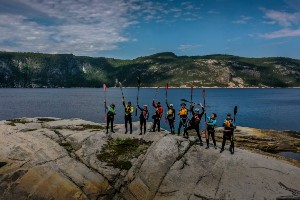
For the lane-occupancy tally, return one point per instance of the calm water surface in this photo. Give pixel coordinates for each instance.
(260, 108)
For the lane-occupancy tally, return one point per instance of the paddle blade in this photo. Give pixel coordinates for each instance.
(235, 110)
(167, 87)
(203, 94)
(184, 100)
(104, 87)
(120, 84)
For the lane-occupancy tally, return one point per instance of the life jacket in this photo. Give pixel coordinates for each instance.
(196, 119)
(128, 109)
(144, 114)
(183, 111)
(228, 123)
(159, 111)
(111, 112)
(170, 112)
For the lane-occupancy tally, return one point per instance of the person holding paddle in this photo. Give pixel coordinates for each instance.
(183, 114)
(171, 116)
(194, 123)
(128, 114)
(210, 129)
(143, 118)
(157, 115)
(110, 117)
(229, 126)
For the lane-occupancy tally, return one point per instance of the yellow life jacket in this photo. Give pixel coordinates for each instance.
(183, 111)
(170, 112)
(228, 123)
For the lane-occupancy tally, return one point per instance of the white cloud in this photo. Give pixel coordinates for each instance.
(82, 27)
(284, 19)
(187, 47)
(289, 23)
(282, 33)
(242, 20)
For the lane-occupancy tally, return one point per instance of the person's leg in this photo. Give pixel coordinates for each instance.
(141, 126)
(107, 124)
(186, 129)
(231, 144)
(126, 120)
(179, 127)
(158, 125)
(145, 126)
(214, 139)
(223, 142)
(112, 125)
(198, 134)
(172, 127)
(154, 124)
(207, 133)
(130, 124)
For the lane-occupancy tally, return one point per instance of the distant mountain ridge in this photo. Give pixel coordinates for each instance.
(67, 70)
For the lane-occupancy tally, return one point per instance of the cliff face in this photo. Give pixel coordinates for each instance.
(66, 70)
(47, 158)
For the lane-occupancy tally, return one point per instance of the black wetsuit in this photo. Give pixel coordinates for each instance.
(171, 118)
(194, 123)
(157, 116)
(228, 134)
(143, 119)
(211, 130)
(128, 116)
(110, 116)
(183, 120)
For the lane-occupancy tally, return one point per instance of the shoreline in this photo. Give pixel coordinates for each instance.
(160, 87)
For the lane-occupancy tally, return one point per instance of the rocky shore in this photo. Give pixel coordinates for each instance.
(49, 158)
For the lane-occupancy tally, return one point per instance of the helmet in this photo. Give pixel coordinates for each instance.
(145, 106)
(229, 114)
(171, 105)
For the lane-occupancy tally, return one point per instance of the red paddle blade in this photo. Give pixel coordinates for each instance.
(167, 87)
(104, 87)
(203, 94)
(192, 89)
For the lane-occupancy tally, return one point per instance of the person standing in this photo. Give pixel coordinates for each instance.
(143, 118)
(194, 123)
(183, 115)
(228, 133)
(171, 117)
(210, 129)
(128, 115)
(110, 117)
(157, 115)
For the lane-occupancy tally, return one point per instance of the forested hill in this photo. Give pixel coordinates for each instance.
(67, 70)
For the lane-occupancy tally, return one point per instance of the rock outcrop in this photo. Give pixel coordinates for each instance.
(49, 158)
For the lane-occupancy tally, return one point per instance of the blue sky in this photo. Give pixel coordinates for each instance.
(133, 28)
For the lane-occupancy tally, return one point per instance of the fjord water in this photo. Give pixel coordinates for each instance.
(259, 108)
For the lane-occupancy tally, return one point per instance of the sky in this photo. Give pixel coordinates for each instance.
(128, 29)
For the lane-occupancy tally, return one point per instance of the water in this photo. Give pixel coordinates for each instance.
(260, 108)
(295, 156)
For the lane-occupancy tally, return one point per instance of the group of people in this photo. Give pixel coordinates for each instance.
(192, 123)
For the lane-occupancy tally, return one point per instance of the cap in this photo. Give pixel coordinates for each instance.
(197, 109)
(183, 104)
(171, 105)
(145, 106)
(229, 114)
